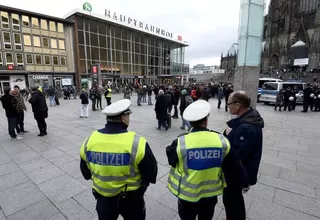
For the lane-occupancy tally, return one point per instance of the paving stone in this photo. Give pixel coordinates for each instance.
(51, 153)
(157, 191)
(303, 159)
(86, 183)
(285, 185)
(42, 210)
(20, 197)
(61, 188)
(8, 168)
(12, 179)
(75, 153)
(57, 217)
(303, 167)
(170, 201)
(288, 164)
(269, 170)
(262, 191)
(270, 152)
(87, 200)
(25, 156)
(72, 168)
(62, 160)
(302, 178)
(18, 147)
(280, 149)
(73, 210)
(34, 164)
(155, 210)
(2, 217)
(45, 173)
(297, 202)
(4, 157)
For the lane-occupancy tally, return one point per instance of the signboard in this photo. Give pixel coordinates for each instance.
(95, 70)
(66, 82)
(301, 62)
(40, 77)
(87, 7)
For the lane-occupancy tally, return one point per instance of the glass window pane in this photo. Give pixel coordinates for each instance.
(19, 58)
(94, 39)
(53, 26)
(103, 41)
(4, 19)
(9, 58)
(102, 28)
(38, 59)
(95, 53)
(47, 60)
(45, 42)
(82, 52)
(54, 43)
(55, 60)
(36, 41)
(6, 37)
(25, 21)
(29, 59)
(63, 61)
(44, 24)
(1, 62)
(35, 22)
(93, 26)
(15, 21)
(17, 38)
(60, 28)
(61, 45)
(80, 37)
(27, 40)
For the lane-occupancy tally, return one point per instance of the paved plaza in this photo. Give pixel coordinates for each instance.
(40, 176)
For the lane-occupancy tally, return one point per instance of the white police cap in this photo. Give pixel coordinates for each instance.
(117, 108)
(197, 111)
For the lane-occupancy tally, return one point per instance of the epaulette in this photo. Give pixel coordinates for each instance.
(215, 131)
(182, 134)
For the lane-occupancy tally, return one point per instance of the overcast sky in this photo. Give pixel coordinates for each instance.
(210, 27)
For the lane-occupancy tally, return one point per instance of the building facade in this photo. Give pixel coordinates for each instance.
(125, 50)
(287, 23)
(35, 50)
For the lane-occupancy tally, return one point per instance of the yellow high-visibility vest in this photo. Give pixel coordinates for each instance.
(113, 160)
(109, 93)
(198, 173)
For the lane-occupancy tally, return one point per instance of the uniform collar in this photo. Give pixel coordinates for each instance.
(114, 128)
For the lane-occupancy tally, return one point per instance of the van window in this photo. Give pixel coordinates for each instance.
(270, 86)
(292, 86)
(261, 82)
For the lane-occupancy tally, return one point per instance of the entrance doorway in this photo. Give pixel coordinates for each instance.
(3, 85)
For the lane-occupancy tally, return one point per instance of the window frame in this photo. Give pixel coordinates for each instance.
(65, 58)
(36, 36)
(51, 39)
(7, 60)
(2, 22)
(46, 22)
(55, 26)
(17, 44)
(42, 44)
(64, 44)
(35, 59)
(1, 59)
(26, 58)
(53, 60)
(44, 59)
(15, 25)
(32, 25)
(16, 57)
(22, 19)
(24, 42)
(6, 43)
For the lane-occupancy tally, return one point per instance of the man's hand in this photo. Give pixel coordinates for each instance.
(228, 130)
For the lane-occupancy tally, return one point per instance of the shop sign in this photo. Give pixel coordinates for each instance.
(87, 7)
(138, 24)
(40, 77)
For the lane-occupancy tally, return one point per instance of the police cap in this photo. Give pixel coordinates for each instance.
(196, 111)
(118, 108)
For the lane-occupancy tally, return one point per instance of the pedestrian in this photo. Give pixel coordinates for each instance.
(9, 103)
(220, 96)
(202, 163)
(21, 107)
(176, 102)
(161, 109)
(40, 110)
(279, 100)
(149, 95)
(108, 95)
(84, 111)
(120, 164)
(93, 97)
(185, 101)
(51, 93)
(245, 136)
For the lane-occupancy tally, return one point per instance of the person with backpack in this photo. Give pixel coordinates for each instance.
(185, 100)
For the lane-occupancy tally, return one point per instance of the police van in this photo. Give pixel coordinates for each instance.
(264, 80)
(270, 90)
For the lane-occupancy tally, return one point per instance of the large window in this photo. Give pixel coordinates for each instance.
(1, 61)
(17, 41)
(60, 28)
(38, 59)
(15, 22)
(6, 40)
(47, 60)
(44, 24)
(9, 58)
(55, 60)
(27, 40)
(19, 59)
(35, 22)
(52, 26)
(54, 44)
(61, 45)
(63, 61)
(45, 42)
(4, 20)
(36, 41)
(29, 58)
(25, 21)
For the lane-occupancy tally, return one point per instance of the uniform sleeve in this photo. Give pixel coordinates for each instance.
(172, 155)
(148, 167)
(86, 173)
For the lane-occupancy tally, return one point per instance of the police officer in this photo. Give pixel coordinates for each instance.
(108, 95)
(120, 164)
(202, 164)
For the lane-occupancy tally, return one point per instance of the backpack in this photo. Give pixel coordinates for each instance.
(169, 98)
(188, 100)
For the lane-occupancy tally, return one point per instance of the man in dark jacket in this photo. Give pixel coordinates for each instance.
(227, 93)
(40, 110)
(245, 136)
(161, 109)
(176, 102)
(9, 103)
(307, 100)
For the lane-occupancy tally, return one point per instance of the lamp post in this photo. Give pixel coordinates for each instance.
(250, 43)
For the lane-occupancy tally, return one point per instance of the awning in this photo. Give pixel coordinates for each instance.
(301, 62)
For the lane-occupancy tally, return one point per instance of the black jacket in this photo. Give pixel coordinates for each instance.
(9, 103)
(38, 102)
(84, 98)
(235, 174)
(147, 167)
(246, 139)
(161, 107)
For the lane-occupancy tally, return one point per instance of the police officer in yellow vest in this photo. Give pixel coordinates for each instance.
(202, 164)
(108, 95)
(120, 164)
